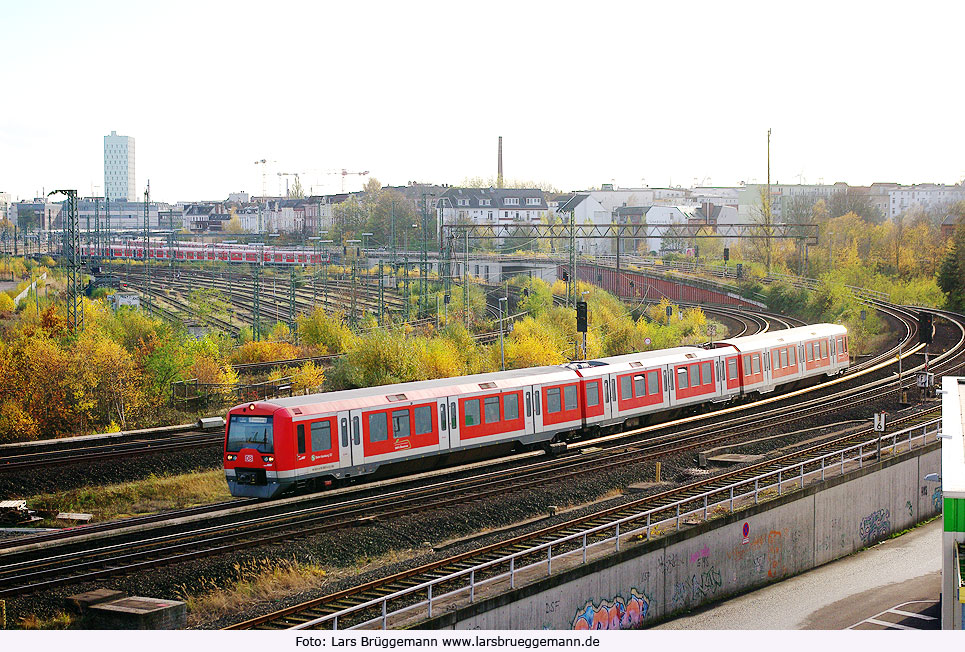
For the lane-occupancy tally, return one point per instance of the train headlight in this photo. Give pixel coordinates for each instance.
(267, 459)
(231, 458)
(251, 406)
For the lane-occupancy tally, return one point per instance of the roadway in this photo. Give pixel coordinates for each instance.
(893, 585)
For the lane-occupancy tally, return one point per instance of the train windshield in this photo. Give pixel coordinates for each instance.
(249, 432)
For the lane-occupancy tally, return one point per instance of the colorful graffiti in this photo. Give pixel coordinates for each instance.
(936, 500)
(875, 525)
(618, 613)
(700, 554)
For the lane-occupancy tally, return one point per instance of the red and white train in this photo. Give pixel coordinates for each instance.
(194, 252)
(312, 441)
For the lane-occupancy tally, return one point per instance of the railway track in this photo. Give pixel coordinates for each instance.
(23, 570)
(362, 606)
(56, 452)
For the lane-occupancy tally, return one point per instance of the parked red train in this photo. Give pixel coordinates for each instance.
(311, 441)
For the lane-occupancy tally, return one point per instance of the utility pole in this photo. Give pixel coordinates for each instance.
(381, 296)
(502, 352)
(147, 242)
(107, 211)
(767, 204)
(572, 260)
(75, 305)
(291, 307)
(97, 225)
(255, 303)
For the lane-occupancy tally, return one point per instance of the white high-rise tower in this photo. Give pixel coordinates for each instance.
(119, 167)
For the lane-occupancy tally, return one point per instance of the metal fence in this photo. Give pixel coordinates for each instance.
(539, 560)
(197, 394)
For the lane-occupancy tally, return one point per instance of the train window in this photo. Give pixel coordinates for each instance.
(625, 391)
(400, 424)
(442, 417)
(321, 436)
(378, 430)
(783, 358)
(569, 397)
(747, 365)
(536, 401)
(471, 412)
(824, 349)
(732, 369)
(809, 351)
(639, 386)
(511, 407)
(301, 438)
(452, 414)
(682, 378)
(706, 374)
(653, 382)
(845, 344)
(695, 375)
(613, 391)
(553, 403)
(423, 420)
(593, 394)
(529, 405)
(491, 409)
(791, 356)
(344, 432)
(355, 431)
(756, 363)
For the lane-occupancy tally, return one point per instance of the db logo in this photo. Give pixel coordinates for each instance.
(249, 458)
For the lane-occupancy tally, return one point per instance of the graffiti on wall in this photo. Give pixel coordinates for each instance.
(699, 586)
(936, 500)
(875, 525)
(775, 567)
(618, 613)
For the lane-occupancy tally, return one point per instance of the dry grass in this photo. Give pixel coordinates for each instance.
(255, 582)
(147, 496)
(60, 620)
(265, 581)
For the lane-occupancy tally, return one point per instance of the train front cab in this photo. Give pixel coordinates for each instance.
(250, 451)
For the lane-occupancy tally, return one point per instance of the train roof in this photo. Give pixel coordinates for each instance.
(630, 361)
(776, 338)
(350, 399)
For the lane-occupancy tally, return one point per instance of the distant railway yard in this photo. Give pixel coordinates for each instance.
(396, 549)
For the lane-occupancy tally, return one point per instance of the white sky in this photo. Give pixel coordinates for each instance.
(583, 93)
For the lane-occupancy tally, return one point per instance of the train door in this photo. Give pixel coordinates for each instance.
(356, 430)
(607, 403)
(344, 440)
(442, 410)
(537, 409)
(529, 409)
(452, 421)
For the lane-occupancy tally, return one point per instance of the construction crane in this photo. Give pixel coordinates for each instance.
(345, 173)
(264, 163)
(298, 181)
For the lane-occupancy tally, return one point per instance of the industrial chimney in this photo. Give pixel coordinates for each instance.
(499, 173)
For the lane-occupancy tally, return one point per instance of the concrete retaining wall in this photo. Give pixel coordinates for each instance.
(714, 560)
(23, 295)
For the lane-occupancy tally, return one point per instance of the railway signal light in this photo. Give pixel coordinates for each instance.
(924, 327)
(726, 254)
(581, 320)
